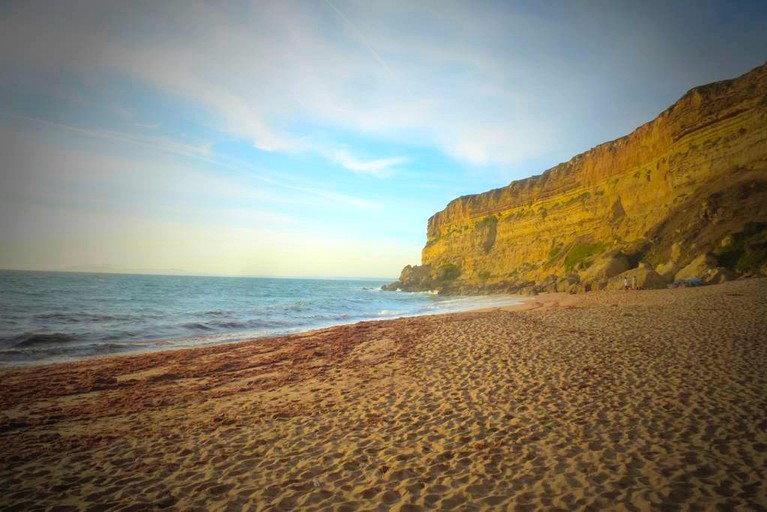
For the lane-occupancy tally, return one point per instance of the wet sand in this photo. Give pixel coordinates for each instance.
(647, 400)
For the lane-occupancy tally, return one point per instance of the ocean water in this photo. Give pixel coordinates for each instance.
(50, 316)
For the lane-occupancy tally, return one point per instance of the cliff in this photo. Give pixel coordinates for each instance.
(688, 189)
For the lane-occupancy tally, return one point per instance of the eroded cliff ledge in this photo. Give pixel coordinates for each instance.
(684, 195)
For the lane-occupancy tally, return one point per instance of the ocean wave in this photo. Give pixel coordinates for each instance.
(27, 340)
(81, 317)
(229, 324)
(78, 316)
(110, 348)
(282, 309)
(217, 313)
(226, 325)
(196, 326)
(388, 312)
(9, 355)
(121, 335)
(52, 353)
(240, 324)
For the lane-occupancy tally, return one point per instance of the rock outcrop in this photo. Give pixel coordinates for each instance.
(691, 183)
(414, 278)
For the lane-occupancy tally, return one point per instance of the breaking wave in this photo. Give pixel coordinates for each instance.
(100, 314)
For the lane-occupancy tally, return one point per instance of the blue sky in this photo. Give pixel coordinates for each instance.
(315, 138)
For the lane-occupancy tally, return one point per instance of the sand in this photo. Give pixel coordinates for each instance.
(644, 400)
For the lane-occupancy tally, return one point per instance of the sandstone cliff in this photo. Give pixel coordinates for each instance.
(691, 183)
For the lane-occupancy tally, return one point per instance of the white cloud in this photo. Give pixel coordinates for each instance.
(486, 84)
(39, 166)
(471, 151)
(266, 68)
(375, 167)
(379, 167)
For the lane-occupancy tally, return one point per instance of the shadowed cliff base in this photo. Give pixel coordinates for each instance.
(681, 199)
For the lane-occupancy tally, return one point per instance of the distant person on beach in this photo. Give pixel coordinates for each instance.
(625, 283)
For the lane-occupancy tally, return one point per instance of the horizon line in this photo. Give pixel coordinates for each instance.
(183, 273)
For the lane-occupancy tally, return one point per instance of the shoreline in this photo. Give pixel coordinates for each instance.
(4, 366)
(605, 400)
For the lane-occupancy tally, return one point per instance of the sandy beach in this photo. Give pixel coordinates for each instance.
(630, 400)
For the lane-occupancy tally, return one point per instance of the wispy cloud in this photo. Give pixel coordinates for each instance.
(38, 167)
(276, 65)
(376, 167)
(359, 35)
(489, 85)
(159, 143)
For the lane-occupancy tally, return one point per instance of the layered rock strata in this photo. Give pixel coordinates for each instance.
(691, 183)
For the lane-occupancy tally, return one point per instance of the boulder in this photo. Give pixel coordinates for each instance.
(653, 281)
(608, 265)
(616, 283)
(698, 267)
(645, 277)
(550, 284)
(649, 279)
(667, 270)
(719, 275)
(415, 278)
(573, 278)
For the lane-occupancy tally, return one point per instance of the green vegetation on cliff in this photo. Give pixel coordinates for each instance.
(690, 183)
(746, 251)
(580, 253)
(449, 272)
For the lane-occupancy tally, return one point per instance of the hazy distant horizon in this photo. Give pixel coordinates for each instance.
(183, 273)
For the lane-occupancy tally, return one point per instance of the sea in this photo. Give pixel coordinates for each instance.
(50, 317)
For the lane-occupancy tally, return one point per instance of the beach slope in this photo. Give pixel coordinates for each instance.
(611, 400)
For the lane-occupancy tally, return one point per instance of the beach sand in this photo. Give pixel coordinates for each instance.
(638, 400)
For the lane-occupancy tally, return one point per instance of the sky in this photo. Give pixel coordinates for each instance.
(315, 138)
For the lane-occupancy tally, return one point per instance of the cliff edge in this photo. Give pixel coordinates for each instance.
(683, 196)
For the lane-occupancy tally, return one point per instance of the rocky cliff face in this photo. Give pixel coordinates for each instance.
(691, 182)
